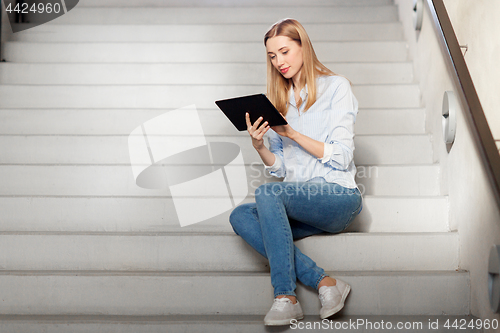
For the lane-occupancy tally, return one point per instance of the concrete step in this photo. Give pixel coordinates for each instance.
(228, 3)
(117, 180)
(334, 32)
(402, 214)
(390, 121)
(210, 293)
(177, 96)
(158, 214)
(267, 14)
(231, 324)
(223, 324)
(399, 180)
(58, 149)
(195, 251)
(386, 149)
(213, 121)
(219, 52)
(182, 74)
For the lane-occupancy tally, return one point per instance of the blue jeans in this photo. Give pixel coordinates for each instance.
(284, 211)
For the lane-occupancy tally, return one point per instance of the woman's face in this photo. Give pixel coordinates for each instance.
(286, 56)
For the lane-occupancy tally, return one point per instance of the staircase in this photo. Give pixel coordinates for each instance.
(82, 248)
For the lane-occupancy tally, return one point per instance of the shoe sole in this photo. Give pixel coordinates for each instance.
(282, 322)
(338, 307)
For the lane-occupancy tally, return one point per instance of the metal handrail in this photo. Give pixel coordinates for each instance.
(473, 109)
(1, 12)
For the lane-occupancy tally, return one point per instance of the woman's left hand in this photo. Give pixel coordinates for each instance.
(285, 130)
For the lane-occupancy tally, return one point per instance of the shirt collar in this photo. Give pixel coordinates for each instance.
(303, 95)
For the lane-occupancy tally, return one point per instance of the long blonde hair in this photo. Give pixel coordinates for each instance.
(278, 87)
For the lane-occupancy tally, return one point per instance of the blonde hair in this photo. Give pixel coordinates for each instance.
(278, 87)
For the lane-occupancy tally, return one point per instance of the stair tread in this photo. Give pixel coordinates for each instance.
(148, 293)
(196, 274)
(208, 318)
(221, 3)
(214, 231)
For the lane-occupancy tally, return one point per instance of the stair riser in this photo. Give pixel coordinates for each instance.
(224, 74)
(370, 150)
(210, 15)
(228, 324)
(213, 121)
(398, 214)
(177, 96)
(397, 180)
(193, 52)
(188, 252)
(119, 181)
(379, 214)
(395, 121)
(387, 150)
(397, 293)
(126, 327)
(204, 33)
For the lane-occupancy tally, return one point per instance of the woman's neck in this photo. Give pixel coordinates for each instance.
(296, 94)
(296, 82)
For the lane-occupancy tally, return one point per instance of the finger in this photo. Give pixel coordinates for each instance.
(247, 118)
(250, 128)
(261, 134)
(261, 128)
(257, 122)
(263, 125)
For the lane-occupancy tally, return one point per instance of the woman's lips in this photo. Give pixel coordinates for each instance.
(284, 70)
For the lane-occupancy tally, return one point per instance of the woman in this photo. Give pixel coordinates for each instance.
(314, 155)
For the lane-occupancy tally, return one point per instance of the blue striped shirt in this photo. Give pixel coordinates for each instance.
(330, 120)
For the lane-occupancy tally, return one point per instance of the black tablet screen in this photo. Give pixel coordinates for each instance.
(256, 105)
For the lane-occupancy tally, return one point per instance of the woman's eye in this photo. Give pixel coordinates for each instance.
(285, 52)
(272, 57)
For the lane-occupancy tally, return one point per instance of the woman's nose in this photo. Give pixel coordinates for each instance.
(279, 61)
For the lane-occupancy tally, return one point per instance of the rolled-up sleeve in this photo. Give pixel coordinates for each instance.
(339, 145)
(276, 147)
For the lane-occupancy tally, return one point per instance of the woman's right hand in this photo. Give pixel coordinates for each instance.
(257, 132)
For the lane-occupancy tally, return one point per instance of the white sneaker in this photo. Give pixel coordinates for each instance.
(333, 298)
(282, 312)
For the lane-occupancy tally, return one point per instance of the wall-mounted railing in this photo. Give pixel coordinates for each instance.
(1, 15)
(470, 100)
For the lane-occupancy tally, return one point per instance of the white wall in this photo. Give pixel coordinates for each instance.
(473, 210)
(476, 25)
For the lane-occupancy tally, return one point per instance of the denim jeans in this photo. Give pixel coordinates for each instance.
(284, 211)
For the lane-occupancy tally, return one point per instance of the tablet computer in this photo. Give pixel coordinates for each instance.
(256, 106)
